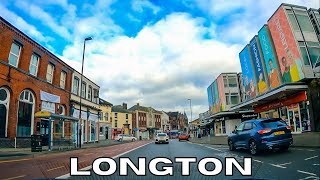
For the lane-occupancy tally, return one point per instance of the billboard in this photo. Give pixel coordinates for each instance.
(216, 97)
(269, 56)
(210, 100)
(258, 66)
(222, 98)
(248, 79)
(289, 58)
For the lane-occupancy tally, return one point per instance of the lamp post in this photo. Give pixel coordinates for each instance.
(190, 112)
(80, 127)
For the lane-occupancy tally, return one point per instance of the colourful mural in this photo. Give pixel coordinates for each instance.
(222, 96)
(249, 82)
(270, 58)
(289, 58)
(258, 66)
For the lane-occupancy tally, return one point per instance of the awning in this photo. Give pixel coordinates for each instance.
(46, 114)
(282, 92)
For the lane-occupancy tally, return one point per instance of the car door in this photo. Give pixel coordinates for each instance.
(235, 137)
(244, 135)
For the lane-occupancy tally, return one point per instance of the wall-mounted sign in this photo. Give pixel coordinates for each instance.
(48, 106)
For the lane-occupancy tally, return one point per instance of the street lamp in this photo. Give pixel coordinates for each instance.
(80, 127)
(190, 111)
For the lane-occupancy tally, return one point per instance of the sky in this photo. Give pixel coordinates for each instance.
(153, 52)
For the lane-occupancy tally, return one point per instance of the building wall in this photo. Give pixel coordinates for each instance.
(105, 122)
(18, 79)
(121, 120)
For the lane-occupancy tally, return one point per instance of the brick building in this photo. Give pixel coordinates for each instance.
(31, 79)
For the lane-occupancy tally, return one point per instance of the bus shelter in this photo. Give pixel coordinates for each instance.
(60, 118)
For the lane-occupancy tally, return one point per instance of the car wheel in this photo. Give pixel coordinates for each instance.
(120, 139)
(133, 140)
(253, 147)
(179, 139)
(231, 146)
(284, 148)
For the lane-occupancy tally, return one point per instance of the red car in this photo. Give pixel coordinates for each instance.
(183, 137)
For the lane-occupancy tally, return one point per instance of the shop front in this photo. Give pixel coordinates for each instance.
(294, 110)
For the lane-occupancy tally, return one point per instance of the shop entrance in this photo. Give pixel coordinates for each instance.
(294, 118)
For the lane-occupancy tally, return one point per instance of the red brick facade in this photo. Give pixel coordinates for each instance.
(17, 79)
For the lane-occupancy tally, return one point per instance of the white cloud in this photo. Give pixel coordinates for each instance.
(163, 66)
(21, 24)
(140, 5)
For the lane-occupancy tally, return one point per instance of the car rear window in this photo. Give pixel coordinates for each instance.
(183, 134)
(161, 134)
(273, 123)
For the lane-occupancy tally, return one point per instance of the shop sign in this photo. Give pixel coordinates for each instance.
(248, 116)
(48, 106)
(44, 96)
(293, 106)
(302, 96)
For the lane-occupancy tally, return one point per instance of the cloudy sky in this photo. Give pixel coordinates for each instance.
(155, 52)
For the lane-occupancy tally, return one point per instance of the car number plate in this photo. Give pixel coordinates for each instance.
(278, 132)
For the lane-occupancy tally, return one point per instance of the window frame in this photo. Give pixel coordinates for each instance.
(52, 75)
(61, 80)
(37, 66)
(83, 86)
(18, 56)
(89, 93)
(74, 83)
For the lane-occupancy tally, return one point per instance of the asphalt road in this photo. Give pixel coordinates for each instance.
(296, 163)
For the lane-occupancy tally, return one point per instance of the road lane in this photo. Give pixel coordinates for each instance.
(262, 167)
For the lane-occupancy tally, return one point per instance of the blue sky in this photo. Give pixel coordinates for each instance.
(155, 52)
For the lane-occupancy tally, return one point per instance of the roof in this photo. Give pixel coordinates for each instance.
(139, 108)
(173, 114)
(119, 108)
(104, 102)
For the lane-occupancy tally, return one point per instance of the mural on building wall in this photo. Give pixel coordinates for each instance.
(248, 80)
(271, 61)
(216, 97)
(258, 66)
(222, 97)
(209, 93)
(289, 58)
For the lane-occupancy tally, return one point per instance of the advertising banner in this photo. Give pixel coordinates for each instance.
(271, 61)
(258, 66)
(222, 98)
(249, 82)
(216, 97)
(209, 93)
(289, 58)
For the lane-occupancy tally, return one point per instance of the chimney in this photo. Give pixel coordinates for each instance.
(124, 105)
(138, 104)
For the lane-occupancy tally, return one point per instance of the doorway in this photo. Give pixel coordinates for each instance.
(294, 118)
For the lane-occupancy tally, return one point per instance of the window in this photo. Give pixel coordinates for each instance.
(50, 71)
(233, 82)
(106, 115)
(25, 114)
(34, 62)
(293, 21)
(63, 76)
(14, 54)
(304, 22)
(95, 94)
(247, 126)
(240, 128)
(304, 53)
(227, 98)
(83, 90)
(115, 123)
(234, 98)
(75, 89)
(101, 130)
(126, 116)
(314, 52)
(115, 115)
(90, 93)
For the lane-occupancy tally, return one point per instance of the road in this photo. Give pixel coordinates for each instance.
(297, 163)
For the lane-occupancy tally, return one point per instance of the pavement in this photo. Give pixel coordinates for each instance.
(308, 139)
(14, 153)
(296, 163)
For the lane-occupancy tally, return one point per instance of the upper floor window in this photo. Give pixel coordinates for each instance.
(126, 116)
(83, 90)
(90, 93)
(95, 95)
(75, 89)
(115, 115)
(14, 54)
(34, 63)
(63, 79)
(50, 71)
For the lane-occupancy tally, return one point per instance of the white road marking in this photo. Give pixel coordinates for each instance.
(309, 173)
(304, 149)
(257, 161)
(310, 158)
(213, 148)
(89, 167)
(311, 177)
(284, 164)
(316, 164)
(277, 165)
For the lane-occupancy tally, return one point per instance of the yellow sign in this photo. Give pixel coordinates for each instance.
(42, 114)
(126, 131)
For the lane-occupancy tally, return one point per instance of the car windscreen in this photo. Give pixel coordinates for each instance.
(162, 135)
(273, 123)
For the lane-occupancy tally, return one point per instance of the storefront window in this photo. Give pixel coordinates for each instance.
(294, 118)
(223, 127)
(305, 118)
(25, 114)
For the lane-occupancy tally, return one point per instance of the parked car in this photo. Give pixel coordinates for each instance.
(162, 138)
(261, 134)
(183, 136)
(125, 137)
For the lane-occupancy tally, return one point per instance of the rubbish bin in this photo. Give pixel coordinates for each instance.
(36, 143)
